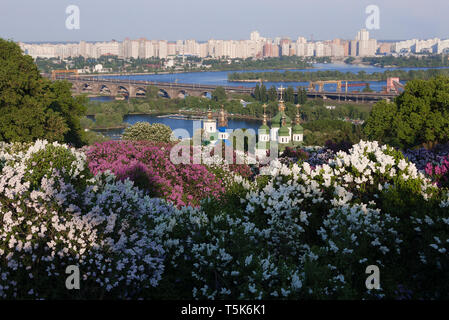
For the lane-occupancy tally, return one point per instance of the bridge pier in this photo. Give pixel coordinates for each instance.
(174, 89)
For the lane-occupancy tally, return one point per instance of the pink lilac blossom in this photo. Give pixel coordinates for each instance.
(182, 184)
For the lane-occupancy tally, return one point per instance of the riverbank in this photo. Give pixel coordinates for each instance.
(178, 112)
(288, 76)
(185, 72)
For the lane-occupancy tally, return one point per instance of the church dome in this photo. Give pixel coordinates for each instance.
(298, 129)
(278, 118)
(283, 132)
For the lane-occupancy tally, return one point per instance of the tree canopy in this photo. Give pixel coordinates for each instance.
(32, 107)
(140, 131)
(419, 116)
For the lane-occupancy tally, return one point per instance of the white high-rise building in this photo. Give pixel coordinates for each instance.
(363, 35)
(255, 36)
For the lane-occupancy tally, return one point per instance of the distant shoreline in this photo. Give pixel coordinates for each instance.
(181, 72)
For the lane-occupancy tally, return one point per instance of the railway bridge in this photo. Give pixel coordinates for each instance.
(139, 88)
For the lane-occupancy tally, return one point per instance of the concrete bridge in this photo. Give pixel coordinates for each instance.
(139, 88)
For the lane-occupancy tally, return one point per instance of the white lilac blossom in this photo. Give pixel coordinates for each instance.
(103, 230)
(305, 230)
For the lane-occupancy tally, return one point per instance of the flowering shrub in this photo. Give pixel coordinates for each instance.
(338, 146)
(296, 154)
(47, 223)
(421, 157)
(440, 172)
(311, 233)
(149, 166)
(140, 131)
(295, 232)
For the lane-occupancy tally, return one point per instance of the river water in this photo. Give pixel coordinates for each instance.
(221, 77)
(175, 124)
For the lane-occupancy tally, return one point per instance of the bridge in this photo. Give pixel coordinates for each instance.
(139, 88)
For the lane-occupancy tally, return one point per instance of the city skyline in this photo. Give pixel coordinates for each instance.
(28, 21)
(257, 46)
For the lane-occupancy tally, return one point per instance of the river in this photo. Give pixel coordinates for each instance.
(175, 123)
(221, 77)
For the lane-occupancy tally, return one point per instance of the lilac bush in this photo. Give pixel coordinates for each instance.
(148, 164)
(302, 232)
(62, 216)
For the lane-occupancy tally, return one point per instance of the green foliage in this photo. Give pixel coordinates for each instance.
(319, 131)
(32, 107)
(298, 76)
(367, 88)
(428, 61)
(420, 115)
(349, 60)
(380, 122)
(157, 132)
(95, 137)
(219, 94)
(272, 94)
(43, 163)
(302, 95)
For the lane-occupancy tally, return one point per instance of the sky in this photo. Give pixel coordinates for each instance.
(104, 20)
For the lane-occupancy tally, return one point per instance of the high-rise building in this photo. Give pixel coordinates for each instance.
(255, 36)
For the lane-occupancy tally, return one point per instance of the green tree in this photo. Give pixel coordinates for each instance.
(289, 95)
(263, 93)
(32, 107)
(257, 92)
(219, 94)
(367, 88)
(302, 95)
(379, 125)
(157, 132)
(272, 94)
(420, 115)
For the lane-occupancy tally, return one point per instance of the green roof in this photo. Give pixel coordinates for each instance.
(284, 131)
(298, 129)
(264, 127)
(278, 118)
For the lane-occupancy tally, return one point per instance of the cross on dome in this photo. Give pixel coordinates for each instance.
(281, 89)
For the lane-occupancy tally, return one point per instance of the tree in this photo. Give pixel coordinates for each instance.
(263, 93)
(289, 95)
(152, 92)
(219, 94)
(257, 92)
(379, 125)
(302, 95)
(156, 132)
(367, 88)
(420, 115)
(350, 60)
(32, 107)
(272, 94)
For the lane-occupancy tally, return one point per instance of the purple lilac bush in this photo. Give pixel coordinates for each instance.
(148, 165)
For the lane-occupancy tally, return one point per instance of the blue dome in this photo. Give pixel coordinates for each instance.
(222, 129)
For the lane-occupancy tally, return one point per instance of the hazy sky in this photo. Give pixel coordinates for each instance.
(44, 20)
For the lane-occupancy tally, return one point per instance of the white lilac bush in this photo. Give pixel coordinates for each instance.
(53, 214)
(307, 232)
(293, 232)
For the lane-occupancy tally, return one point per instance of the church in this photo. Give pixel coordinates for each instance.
(283, 131)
